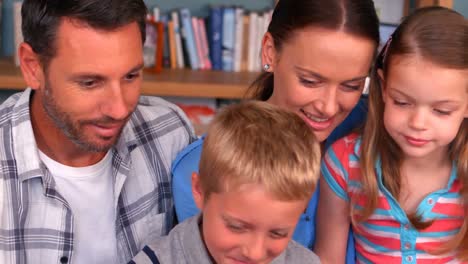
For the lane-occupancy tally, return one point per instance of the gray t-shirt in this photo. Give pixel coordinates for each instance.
(184, 245)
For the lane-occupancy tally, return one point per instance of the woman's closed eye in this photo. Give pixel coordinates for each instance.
(309, 82)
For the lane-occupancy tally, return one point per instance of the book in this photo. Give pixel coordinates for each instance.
(198, 44)
(252, 54)
(215, 37)
(239, 37)
(166, 60)
(189, 38)
(172, 44)
(178, 40)
(18, 35)
(204, 42)
(229, 38)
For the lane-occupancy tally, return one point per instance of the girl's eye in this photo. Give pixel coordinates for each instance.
(400, 103)
(352, 87)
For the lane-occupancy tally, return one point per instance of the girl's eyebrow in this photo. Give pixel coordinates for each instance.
(445, 101)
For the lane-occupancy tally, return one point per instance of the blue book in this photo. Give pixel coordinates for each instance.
(189, 38)
(215, 29)
(229, 38)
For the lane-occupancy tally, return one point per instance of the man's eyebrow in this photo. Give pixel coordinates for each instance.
(136, 68)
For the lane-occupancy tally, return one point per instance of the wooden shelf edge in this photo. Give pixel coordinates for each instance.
(182, 83)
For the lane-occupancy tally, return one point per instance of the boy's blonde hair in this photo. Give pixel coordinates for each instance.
(258, 143)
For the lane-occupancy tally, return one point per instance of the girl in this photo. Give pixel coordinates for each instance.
(316, 56)
(403, 183)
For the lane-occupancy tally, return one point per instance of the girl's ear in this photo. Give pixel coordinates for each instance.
(380, 74)
(197, 191)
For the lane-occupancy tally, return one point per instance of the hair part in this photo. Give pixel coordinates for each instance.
(438, 35)
(356, 17)
(258, 143)
(42, 18)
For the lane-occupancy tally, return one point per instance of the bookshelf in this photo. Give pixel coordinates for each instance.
(185, 82)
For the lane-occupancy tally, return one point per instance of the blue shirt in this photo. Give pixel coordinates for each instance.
(187, 162)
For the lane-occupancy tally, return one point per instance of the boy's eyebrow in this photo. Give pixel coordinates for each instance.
(318, 76)
(231, 218)
(248, 225)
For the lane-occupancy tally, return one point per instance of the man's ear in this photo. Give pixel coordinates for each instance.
(197, 191)
(268, 52)
(381, 77)
(31, 66)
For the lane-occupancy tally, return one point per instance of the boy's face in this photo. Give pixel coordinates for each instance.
(248, 225)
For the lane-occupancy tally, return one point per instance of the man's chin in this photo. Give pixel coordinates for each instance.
(98, 145)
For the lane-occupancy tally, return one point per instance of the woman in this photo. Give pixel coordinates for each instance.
(316, 57)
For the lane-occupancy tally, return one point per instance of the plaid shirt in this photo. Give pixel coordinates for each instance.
(36, 222)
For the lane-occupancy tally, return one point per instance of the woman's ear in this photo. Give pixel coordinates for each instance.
(268, 52)
(197, 191)
(31, 67)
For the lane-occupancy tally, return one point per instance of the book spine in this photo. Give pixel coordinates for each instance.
(216, 34)
(198, 45)
(178, 40)
(189, 38)
(166, 48)
(204, 42)
(172, 45)
(239, 37)
(18, 36)
(228, 39)
(252, 58)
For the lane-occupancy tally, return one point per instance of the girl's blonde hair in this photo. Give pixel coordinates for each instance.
(439, 35)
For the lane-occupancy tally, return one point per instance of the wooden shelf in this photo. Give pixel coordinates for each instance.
(205, 84)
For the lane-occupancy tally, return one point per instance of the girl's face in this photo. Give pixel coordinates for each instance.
(319, 74)
(425, 105)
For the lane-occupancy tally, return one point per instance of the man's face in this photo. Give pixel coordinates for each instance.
(93, 83)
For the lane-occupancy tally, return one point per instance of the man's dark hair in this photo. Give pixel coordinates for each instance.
(41, 19)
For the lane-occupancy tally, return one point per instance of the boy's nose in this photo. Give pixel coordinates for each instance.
(255, 250)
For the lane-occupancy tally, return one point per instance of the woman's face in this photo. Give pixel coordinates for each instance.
(320, 74)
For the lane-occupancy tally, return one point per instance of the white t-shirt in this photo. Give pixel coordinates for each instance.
(90, 193)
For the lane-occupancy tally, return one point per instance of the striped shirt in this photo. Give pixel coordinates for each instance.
(36, 222)
(387, 236)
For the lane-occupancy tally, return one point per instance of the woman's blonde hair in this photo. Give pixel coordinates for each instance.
(439, 35)
(258, 143)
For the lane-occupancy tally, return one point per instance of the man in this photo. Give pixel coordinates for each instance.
(84, 161)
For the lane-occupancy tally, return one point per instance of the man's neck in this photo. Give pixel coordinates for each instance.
(54, 143)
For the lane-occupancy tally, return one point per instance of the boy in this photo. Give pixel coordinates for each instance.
(258, 169)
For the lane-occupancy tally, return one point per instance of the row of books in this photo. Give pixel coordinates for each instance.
(229, 39)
